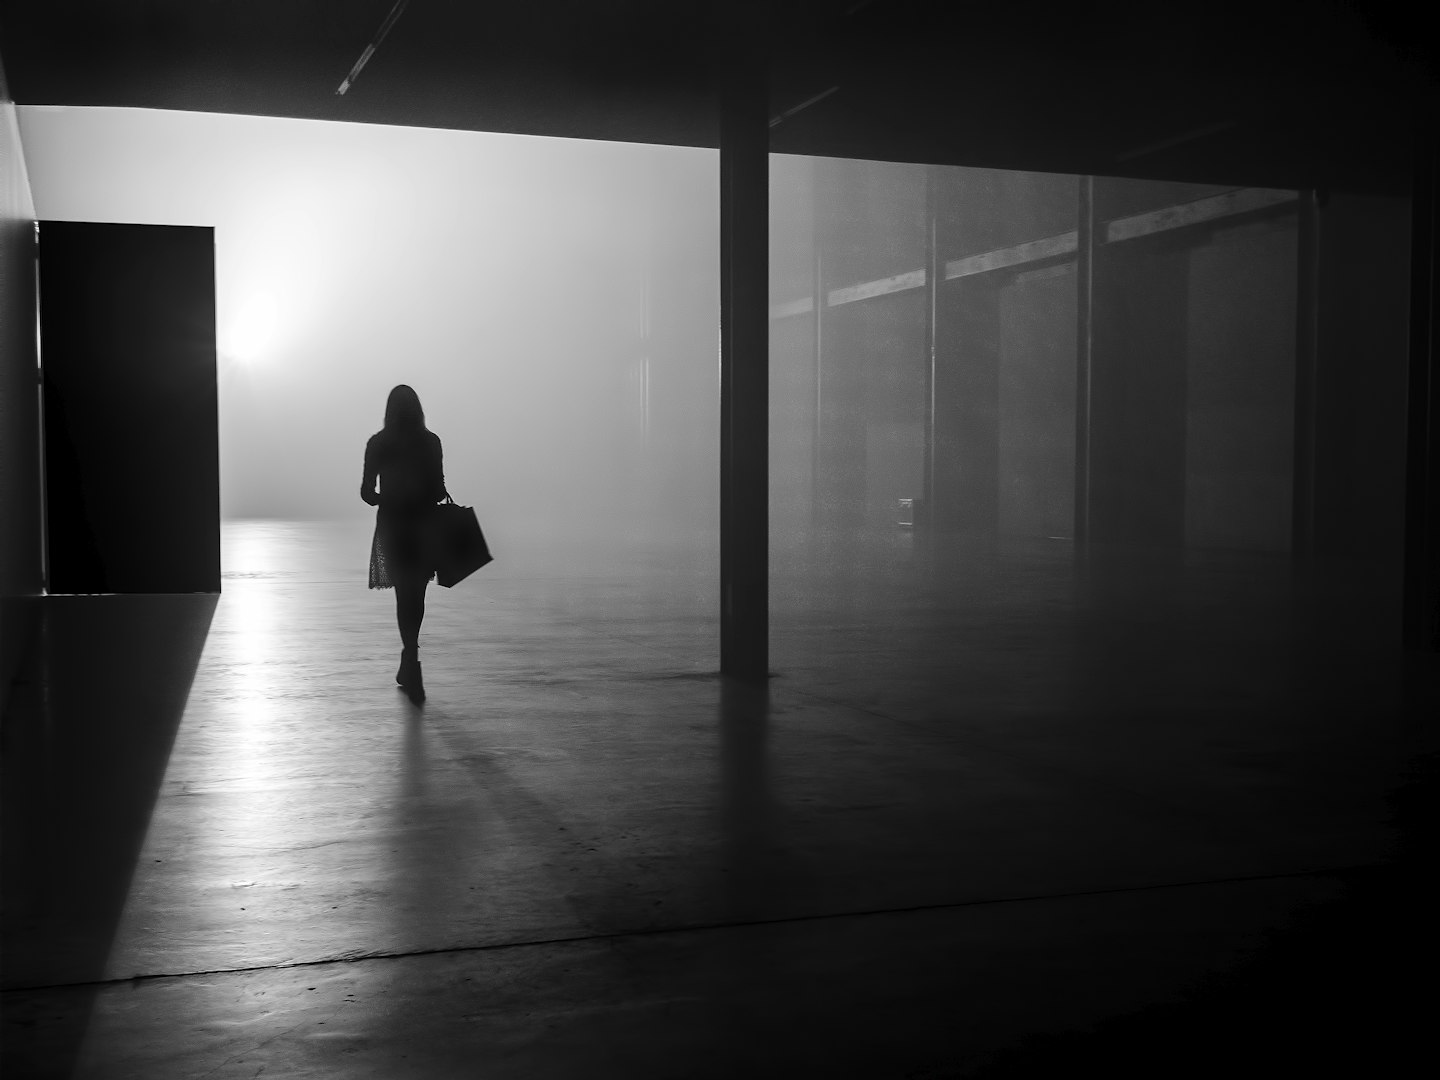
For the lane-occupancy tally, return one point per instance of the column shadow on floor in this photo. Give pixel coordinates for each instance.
(87, 734)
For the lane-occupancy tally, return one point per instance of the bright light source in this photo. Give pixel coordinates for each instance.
(253, 327)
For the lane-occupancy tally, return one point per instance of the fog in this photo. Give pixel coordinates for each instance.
(555, 303)
(1187, 391)
(552, 301)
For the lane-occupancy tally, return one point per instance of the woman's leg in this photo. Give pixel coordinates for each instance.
(410, 608)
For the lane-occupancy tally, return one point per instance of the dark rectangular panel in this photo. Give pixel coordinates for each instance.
(1139, 327)
(1036, 405)
(1240, 388)
(967, 405)
(872, 408)
(127, 331)
(1361, 379)
(792, 426)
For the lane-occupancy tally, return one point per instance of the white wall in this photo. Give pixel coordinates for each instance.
(499, 275)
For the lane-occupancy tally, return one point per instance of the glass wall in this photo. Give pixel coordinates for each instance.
(1005, 368)
(958, 402)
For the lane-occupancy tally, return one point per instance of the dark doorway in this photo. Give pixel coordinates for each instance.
(127, 342)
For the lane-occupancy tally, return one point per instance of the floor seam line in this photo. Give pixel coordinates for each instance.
(703, 927)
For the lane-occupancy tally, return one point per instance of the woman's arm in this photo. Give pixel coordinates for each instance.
(367, 482)
(444, 492)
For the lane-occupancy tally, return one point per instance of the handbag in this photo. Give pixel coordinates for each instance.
(457, 546)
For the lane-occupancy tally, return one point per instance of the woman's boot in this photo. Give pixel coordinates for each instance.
(409, 667)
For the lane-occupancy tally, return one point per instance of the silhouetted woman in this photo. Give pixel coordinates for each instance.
(405, 456)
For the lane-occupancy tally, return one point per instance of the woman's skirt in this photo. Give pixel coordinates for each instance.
(398, 548)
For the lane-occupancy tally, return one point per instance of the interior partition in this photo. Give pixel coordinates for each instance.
(127, 325)
(1189, 384)
(986, 399)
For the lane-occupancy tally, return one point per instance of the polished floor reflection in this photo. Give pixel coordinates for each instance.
(992, 793)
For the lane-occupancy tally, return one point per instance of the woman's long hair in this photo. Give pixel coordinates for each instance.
(403, 413)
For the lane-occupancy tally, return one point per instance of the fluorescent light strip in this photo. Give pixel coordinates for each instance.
(395, 14)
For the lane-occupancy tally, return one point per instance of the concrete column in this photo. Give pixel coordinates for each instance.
(744, 368)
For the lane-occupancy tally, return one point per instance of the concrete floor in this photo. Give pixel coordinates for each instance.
(998, 812)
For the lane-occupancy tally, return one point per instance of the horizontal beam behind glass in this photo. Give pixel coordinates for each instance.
(1243, 201)
(1229, 204)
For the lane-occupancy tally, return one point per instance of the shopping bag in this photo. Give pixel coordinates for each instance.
(457, 547)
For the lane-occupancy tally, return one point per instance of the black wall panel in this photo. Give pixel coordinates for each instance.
(127, 331)
(1360, 379)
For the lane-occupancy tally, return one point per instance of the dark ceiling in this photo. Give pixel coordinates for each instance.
(1285, 94)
